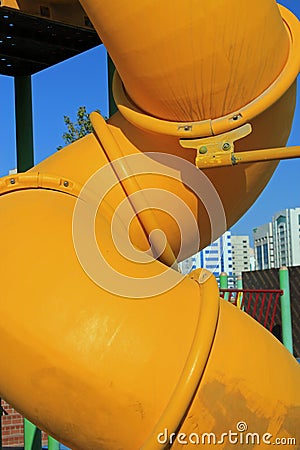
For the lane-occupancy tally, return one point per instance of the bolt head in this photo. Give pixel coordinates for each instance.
(66, 183)
(203, 150)
(226, 146)
(12, 181)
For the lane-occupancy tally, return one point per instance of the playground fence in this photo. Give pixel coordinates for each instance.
(261, 304)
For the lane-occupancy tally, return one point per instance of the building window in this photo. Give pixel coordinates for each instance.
(259, 257)
(266, 256)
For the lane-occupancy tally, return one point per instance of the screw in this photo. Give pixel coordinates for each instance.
(226, 146)
(187, 128)
(12, 181)
(203, 150)
(233, 160)
(235, 118)
(66, 183)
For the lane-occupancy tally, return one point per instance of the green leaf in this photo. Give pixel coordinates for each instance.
(78, 129)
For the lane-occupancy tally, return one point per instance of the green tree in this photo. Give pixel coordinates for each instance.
(76, 130)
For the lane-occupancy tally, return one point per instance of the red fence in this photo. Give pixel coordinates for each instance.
(261, 304)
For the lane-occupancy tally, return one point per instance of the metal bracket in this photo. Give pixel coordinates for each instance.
(37, 180)
(216, 151)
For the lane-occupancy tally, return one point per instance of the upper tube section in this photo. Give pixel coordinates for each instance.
(191, 60)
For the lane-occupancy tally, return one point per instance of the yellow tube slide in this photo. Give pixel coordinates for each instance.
(103, 344)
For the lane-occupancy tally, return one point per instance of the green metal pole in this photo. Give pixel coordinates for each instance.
(286, 319)
(24, 123)
(239, 285)
(224, 284)
(52, 444)
(25, 160)
(112, 107)
(32, 436)
(239, 282)
(223, 280)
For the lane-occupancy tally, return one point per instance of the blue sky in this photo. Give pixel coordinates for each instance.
(81, 81)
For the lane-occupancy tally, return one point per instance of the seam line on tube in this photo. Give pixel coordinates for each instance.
(37, 180)
(192, 373)
(152, 124)
(46, 182)
(114, 152)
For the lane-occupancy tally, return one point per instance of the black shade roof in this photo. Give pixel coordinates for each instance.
(29, 43)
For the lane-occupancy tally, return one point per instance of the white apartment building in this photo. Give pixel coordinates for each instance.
(286, 236)
(240, 254)
(264, 247)
(278, 243)
(252, 259)
(216, 258)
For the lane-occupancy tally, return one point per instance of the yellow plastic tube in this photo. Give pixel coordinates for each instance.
(85, 352)
(103, 370)
(103, 344)
(202, 85)
(197, 60)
